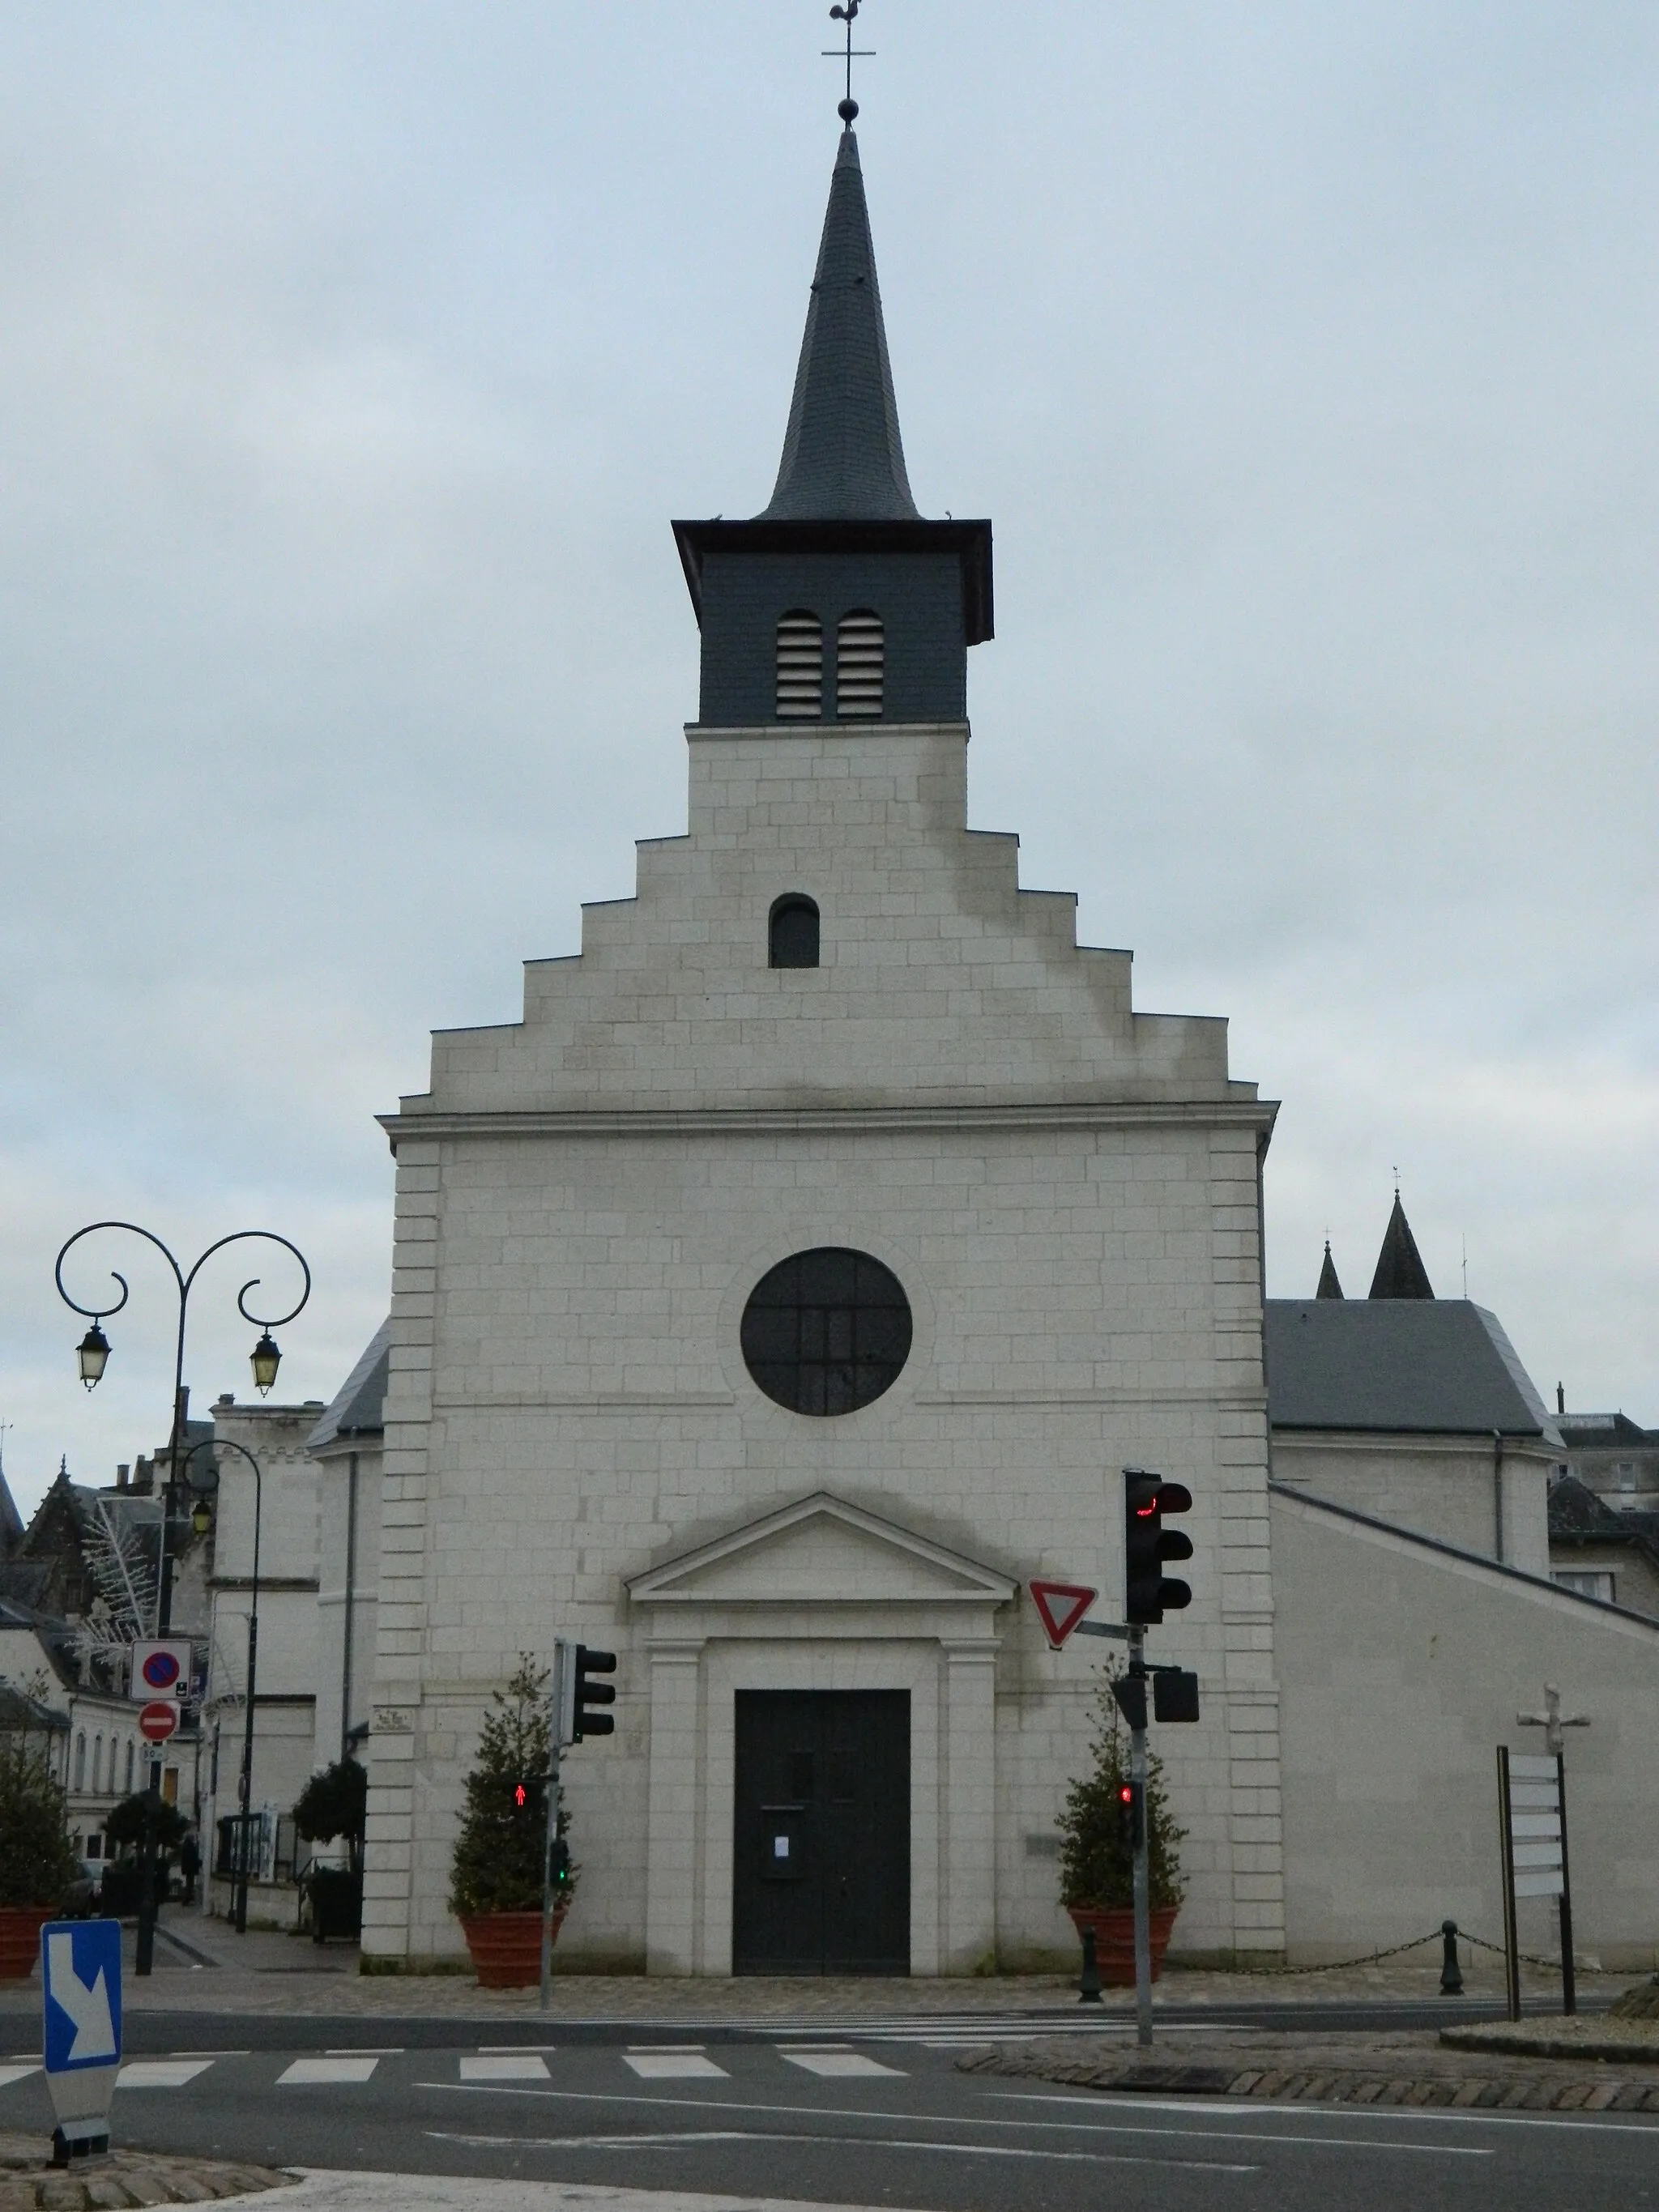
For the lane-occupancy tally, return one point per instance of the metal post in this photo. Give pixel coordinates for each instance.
(1512, 1940)
(1143, 1883)
(245, 1786)
(1088, 1989)
(1569, 1971)
(1451, 1978)
(555, 1729)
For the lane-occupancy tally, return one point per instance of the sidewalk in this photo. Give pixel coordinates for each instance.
(204, 1965)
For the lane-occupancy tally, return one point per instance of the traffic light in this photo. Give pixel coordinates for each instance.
(1148, 1592)
(1128, 1799)
(590, 1717)
(559, 1870)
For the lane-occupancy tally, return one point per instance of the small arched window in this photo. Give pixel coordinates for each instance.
(800, 668)
(793, 939)
(81, 1760)
(858, 651)
(98, 1763)
(129, 1751)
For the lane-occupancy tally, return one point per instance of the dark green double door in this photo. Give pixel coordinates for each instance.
(823, 1863)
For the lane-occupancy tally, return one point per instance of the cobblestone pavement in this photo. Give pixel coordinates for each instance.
(204, 1965)
(28, 2183)
(1381, 2068)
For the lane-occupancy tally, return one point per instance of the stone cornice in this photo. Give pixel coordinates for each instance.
(963, 1119)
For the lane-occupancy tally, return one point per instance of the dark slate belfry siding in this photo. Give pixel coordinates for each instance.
(918, 598)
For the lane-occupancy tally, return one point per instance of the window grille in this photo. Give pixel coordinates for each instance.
(793, 932)
(800, 668)
(827, 1331)
(858, 651)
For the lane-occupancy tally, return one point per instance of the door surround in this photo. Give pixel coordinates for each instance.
(822, 1594)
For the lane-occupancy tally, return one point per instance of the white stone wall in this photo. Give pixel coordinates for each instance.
(1403, 1671)
(1447, 1487)
(337, 1545)
(1068, 1193)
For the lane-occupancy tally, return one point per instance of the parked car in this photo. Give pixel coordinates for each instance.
(83, 1900)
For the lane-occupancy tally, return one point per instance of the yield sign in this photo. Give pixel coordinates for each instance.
(1062, 1606)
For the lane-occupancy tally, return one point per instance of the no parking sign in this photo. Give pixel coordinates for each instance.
(161, 1669)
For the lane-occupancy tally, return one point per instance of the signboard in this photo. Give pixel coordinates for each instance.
(1532, 1813)
(158, 1722)
(161, 1669)
(81, 2003)
(1059, 1607)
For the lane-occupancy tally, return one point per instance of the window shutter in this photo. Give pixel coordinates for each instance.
(859, 645)
(800, 668)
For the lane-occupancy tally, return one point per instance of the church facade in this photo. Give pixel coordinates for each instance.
(792, 1284)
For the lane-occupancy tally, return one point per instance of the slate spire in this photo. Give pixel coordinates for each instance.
(1328, 1285)
(1399, 1270)
(843, 459)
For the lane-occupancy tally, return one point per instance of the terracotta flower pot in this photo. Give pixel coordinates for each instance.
(19, 1938)
(1114, 1938)
(506, 1947)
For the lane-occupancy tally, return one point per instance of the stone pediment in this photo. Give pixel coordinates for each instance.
(822, 1551)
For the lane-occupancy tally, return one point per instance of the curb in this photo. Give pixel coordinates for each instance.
(1621, 2051)
(30, 2183)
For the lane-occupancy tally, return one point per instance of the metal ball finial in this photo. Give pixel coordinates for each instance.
(847, 110)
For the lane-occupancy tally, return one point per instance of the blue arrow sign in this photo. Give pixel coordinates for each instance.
(81, 1977)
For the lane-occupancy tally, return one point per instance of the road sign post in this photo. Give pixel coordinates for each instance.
(1532, 1811)
(81, 2030)
(559, 1723)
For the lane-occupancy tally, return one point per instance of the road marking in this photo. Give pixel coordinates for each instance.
(161, 2073)
(505, 2066)
(364, 2050)
(10, 2073)
(491, 2049)
(337, 2067)
(209, 2054)
(860, 2143)
(839, 2065)
(1238, 2108)
(965, 2120)
(673, 2065)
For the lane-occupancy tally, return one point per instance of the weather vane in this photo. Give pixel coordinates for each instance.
(849, 107)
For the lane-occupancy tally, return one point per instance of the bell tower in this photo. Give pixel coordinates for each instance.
(839, 602)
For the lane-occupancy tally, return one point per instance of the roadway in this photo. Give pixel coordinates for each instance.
(873, 2113)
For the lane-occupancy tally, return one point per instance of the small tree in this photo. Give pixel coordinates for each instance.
(123, 1824)
(335, 1804)
(1097, 1860)
(37, 1859)
(497, 1863)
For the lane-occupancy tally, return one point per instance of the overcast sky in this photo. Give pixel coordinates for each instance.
(354, 357)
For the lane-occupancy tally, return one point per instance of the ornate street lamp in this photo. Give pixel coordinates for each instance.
(92, 1355)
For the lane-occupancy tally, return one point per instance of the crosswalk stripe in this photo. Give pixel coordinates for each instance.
(10, 2073)
(673, 2065)
(838, 2065)
(308, 2072)
(518, 2066)
(161, 2073)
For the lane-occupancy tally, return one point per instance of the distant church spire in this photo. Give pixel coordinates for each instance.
(843, 459)
(1328, 1285)
(1399, 1270)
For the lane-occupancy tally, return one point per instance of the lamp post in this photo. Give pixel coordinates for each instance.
(245, 1788)
(93, 1355)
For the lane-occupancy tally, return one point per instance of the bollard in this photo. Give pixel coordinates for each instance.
(1451, 1981)
(1089, 1987)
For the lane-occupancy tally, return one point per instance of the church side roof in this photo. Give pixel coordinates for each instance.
(843, 458)
(357, 1408)
(1399, 1270)
(1432, 1367)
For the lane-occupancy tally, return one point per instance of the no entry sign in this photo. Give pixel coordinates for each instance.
(158, 1721)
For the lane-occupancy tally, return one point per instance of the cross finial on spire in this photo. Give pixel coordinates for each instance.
(844, 12)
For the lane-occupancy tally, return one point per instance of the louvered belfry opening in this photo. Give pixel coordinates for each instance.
(800, 668)
(859, 645)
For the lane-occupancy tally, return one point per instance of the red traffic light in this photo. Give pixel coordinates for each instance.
(521, 1797)
(1125, 1795)
(1148, 1590)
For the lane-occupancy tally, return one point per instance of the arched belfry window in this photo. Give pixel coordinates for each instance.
(858, 646)
(800, 668)
(793, 936)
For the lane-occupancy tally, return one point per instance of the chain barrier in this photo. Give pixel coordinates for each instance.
(1375, 1958)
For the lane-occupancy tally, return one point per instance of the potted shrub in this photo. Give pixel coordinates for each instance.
(496, 1875)
(37, 1859)
(1097, 1859)
(334, 1807)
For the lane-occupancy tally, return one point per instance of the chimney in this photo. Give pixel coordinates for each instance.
(124, 1476)
(1560, 1398)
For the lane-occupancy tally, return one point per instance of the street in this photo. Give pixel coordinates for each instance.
(875, 2115)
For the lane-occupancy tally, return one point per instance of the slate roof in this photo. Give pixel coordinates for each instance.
(358, 1406)
(1578, 1517)
(1422, 1367)
(843, 458)
(1399, 1270)
(1602, 1431)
